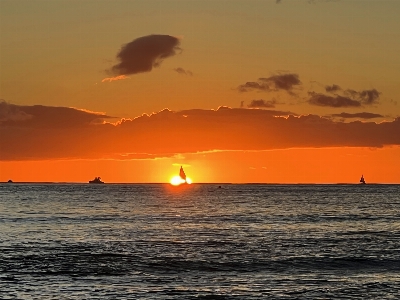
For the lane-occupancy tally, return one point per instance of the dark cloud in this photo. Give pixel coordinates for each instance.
(369, 96)
(332, 88)
(183, 71)
(273, 83)
(12, 113)
(262, 104)
(283, 81)
(332, 101)
(39, 116)
(167, 132)
(145, 53)
(362, 115)
(366, 97)
(344, 98)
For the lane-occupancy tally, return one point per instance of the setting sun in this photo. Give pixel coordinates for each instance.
(177, 180)
(181, 178)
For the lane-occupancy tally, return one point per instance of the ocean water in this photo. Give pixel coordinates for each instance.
(153, 241)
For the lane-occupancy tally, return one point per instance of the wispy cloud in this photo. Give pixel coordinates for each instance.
(183, 71)
(145, 53)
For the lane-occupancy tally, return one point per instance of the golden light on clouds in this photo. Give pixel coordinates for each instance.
(110, 79)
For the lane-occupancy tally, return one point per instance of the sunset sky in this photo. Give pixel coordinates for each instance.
(289, 91)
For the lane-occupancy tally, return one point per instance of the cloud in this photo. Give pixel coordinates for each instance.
(332, 101)
(278, 82)
(12, 113)
(362, 115)
(251, 85)
(167, 133)
(183, 71)
(369, 96)
(332, 88)
(145, 53)
(262, 103)
(39, 116)
(344, 98)
(110, 79)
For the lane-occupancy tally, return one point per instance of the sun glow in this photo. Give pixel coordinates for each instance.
(177, 180)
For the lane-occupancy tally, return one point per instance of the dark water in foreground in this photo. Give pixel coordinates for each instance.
(69, 241)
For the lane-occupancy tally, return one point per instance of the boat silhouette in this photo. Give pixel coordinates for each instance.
(96, 180)
(182, 174)
(362, 180)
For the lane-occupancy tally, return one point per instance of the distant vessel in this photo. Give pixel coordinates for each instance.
(96, 180)
(10, 181)
(182, 174)
(362, 180)
(181, 179)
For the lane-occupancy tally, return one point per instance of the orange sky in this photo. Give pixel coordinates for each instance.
(235, 91)
(325, 165)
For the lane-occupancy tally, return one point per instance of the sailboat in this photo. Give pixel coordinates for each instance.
(181, 179)
(182, 174)
(362, 180)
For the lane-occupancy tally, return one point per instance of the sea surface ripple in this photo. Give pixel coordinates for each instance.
(155, 241)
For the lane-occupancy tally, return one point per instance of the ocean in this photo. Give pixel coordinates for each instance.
(236, 241)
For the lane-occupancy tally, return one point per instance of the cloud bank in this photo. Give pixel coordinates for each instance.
(47, 117)
(64, 133)
(145, 53)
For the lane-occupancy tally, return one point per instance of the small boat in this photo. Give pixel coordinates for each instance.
(9, 181)
(362, 180)
(182, 174)
(181, 179)
(96, 180)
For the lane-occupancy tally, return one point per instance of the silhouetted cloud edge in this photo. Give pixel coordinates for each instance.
(165, 132)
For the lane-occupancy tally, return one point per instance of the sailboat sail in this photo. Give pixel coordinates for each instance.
(182, 174)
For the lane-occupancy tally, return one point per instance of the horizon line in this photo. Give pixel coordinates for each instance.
(214, 183)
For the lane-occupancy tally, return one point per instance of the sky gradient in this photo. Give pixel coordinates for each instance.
(235, 91)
